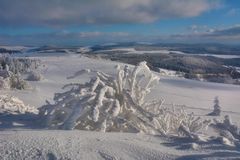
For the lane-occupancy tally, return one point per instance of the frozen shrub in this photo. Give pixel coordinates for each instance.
(195, 124)
(227, 129)
(173, 121)
(117, 103)
(13, 105)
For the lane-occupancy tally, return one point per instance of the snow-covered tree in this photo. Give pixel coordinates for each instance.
(116, 103)
(34, 76)
(216, 108)
(17, 82)
(10, 80)
(13, 105)
(11, 69)
(17, 64)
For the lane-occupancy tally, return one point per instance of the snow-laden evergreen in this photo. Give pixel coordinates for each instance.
(216, 108)
(18, 64)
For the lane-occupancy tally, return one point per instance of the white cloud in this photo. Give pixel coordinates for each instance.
(76, 12)
(205, 34)
(196, 29)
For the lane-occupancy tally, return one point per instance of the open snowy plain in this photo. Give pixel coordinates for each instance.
(22, 138)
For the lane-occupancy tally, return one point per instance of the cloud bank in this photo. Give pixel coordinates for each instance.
(77, 12)
(203, 33)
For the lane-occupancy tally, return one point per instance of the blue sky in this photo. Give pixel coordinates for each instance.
(80, 22)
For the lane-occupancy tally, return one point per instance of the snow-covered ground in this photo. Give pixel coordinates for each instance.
(29, 143)
(74, 145)
(14, 48)
(134, 51)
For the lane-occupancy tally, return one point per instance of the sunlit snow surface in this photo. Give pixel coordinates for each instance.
(42, 144)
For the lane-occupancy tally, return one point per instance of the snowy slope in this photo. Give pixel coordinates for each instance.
(175, 90)
(16, 143)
